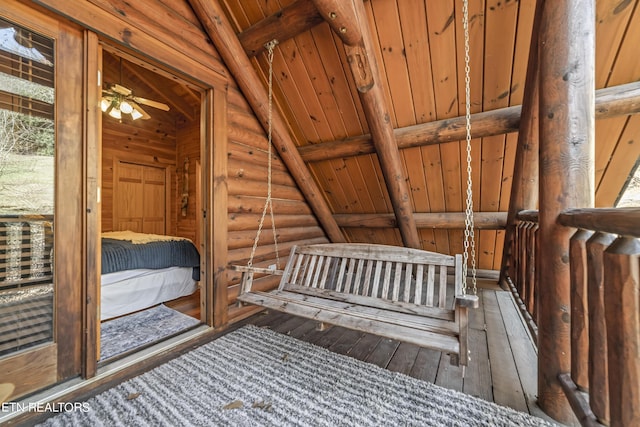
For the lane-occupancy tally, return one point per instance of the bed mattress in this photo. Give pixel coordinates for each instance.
(127, 291)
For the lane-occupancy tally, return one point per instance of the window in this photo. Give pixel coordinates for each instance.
(27, 177)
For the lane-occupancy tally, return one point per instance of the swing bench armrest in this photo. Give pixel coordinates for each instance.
(468, 301)
(246, 280)
(245, 268)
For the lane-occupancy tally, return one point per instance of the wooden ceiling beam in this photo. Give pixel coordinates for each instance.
(439, 220)
(218, 27)
(283, 25)
(610, 102)
(348, 19)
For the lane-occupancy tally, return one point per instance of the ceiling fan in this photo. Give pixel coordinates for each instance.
(117, 99)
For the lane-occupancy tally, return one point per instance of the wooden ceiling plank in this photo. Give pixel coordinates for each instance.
(443, 164)
(610, 102)
(218, 27)
(172, 99)
(500, 42)
(612, 20)
(624, 154)
(365, 72)
(526, 17)
(297, 18)
(399, 90)
(415, 39)
(625, 68)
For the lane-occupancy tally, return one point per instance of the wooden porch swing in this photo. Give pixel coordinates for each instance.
(396, 292)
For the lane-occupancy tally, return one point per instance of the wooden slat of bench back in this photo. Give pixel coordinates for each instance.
(389, 273)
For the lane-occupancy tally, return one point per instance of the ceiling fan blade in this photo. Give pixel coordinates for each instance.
(145, 116)
(120, 89)
(150, 103)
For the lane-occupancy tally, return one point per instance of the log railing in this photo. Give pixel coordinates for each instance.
(521, 276)
(603, 386)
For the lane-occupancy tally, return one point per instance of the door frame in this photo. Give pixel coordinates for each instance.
(43, 365)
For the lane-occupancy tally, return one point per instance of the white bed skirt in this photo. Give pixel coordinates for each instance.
(127, 291)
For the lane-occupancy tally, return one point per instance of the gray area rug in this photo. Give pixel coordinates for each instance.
(128, 332)
(257, 377)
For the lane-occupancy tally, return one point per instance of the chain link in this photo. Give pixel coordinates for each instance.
(269, 201)
(469, 236)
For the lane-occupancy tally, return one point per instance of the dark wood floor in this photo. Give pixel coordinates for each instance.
(503, 366)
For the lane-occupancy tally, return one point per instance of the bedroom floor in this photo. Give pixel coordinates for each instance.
(189, 305)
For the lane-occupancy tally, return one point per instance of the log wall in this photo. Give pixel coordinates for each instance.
(247, 183)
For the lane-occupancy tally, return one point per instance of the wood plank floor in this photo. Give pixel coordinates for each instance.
(503, 364)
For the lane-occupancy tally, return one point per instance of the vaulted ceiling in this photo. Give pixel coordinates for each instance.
(418, 47)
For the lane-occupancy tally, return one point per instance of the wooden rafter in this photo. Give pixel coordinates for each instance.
(610, 102)
(348, 20)
(226, 42)
(287, 23)
(444, 220)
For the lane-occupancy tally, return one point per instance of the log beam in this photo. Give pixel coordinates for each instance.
(444, 220)
(567, 140)
(610, 102)
(283, 25)
(349, 21)
(226, 42)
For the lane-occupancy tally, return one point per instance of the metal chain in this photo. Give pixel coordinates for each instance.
(469, 236)
(268, 202)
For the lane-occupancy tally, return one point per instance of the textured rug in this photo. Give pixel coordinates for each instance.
(257, 377)
(125, 333)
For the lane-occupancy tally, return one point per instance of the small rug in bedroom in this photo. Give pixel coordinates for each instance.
(257, 377)
(125, 333)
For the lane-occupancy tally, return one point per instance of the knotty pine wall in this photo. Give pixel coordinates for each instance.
(188, 147)
(149, 142)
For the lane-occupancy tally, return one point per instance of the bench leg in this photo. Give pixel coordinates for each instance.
(321, 326)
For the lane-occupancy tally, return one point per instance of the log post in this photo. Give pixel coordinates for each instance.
(567, 115)
(622, 311)
(524, 190)
(579, 309)
(217, 26)
(598, 377)
(348, 19)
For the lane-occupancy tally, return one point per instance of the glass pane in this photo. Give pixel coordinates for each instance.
(27, 177)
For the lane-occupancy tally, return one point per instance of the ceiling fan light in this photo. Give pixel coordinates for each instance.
(104, 104)
(115, 113)
(135, 114)
(126, 108)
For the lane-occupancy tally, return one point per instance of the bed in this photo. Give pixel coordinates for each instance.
(141, 270)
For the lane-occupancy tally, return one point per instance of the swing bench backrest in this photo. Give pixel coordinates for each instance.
(406, 294)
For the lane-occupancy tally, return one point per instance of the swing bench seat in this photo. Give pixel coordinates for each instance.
(394, 292)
